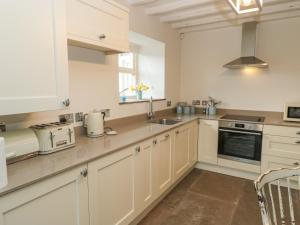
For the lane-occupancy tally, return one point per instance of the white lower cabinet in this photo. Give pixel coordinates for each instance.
(162, 163)
(287, 147)
(193, 143)
(274, 162)
(281, 147)
(208, 141)
(111, 189)
(143, 175)
(61, 200)
(181, 151)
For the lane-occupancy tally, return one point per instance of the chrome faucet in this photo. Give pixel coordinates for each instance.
(151, 114)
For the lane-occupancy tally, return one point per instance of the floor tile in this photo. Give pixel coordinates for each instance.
(177, 194)
(195, 209)
(247, 211)
(158, 215)
(219, 186)
(206, 198)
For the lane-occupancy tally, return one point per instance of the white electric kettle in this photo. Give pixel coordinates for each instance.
(94, 123)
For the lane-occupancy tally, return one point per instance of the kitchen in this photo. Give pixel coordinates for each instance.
(78, 140)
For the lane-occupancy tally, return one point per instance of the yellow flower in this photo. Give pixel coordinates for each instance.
(139, 87)
(132, 88)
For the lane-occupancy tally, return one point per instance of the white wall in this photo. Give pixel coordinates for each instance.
(151, 64)
(204, 53)
(94, 78)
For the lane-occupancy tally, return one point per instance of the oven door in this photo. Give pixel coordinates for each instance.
(240, 145)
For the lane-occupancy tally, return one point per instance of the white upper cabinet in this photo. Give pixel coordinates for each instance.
(208, 141)
(33, 59)
(98, 24)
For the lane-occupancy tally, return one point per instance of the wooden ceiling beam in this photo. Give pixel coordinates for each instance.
(217, 8)
(231, 16)
(263, 18)
(197, 12)
(140, 2)
(176, 5)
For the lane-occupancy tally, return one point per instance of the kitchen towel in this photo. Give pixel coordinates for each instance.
(3, 169)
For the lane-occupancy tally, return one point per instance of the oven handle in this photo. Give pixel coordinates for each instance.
(240, 132)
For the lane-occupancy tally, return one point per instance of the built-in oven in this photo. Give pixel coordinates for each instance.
(240, 141)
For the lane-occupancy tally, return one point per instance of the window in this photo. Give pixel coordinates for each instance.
(143, 66)
(128, 73)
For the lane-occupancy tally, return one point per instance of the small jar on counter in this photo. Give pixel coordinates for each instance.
(187, 110)
(179, 109)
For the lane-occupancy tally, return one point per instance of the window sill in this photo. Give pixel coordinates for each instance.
(133, 101)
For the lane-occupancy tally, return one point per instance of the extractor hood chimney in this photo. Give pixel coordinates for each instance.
(248, 58)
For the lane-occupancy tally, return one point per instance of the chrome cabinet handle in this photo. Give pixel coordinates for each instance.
(298, 133)
(70, 134)
(84, 173)
(177, 131)
(155, 141)
(52, 139)
(138, 149)
(297, 142)
(296, 164)
(102, 36)
(167, 136)
(67, 102)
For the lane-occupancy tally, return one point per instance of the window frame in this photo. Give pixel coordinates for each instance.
(134, 72)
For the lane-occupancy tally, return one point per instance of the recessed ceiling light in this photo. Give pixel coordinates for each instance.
(246, 6)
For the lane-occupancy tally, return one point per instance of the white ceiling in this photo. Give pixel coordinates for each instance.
(189, 15)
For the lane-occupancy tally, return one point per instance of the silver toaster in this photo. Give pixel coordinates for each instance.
(54, 136)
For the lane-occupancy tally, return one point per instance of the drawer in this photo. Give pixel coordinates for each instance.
(287, 147)
(282, 131)
(274, 162)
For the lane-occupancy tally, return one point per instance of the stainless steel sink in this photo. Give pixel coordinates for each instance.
(166, 121)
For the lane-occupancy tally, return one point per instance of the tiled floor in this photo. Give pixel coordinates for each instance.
(206, 198)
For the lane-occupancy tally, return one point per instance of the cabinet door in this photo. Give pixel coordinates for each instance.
(33, 59)
(181, 151)
(61, 200)
(162, 163)
(208, 141)
(111, 189)
(193, 143)
(143, 175)
(99, 24)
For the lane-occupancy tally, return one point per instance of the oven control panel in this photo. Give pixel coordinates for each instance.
(241, 125)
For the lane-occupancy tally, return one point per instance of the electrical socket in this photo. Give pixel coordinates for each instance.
(196, 102)
(204, 102)
(2, 126)
(66, 118)
(78, 117)
(107, 112)
(169, 103)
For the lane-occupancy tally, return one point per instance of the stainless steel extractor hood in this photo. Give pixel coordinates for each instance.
(248, 58)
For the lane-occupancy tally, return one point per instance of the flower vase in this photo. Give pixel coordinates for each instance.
(139, 95)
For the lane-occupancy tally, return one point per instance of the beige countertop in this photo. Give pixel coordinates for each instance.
(32, 170)
(29, 171)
